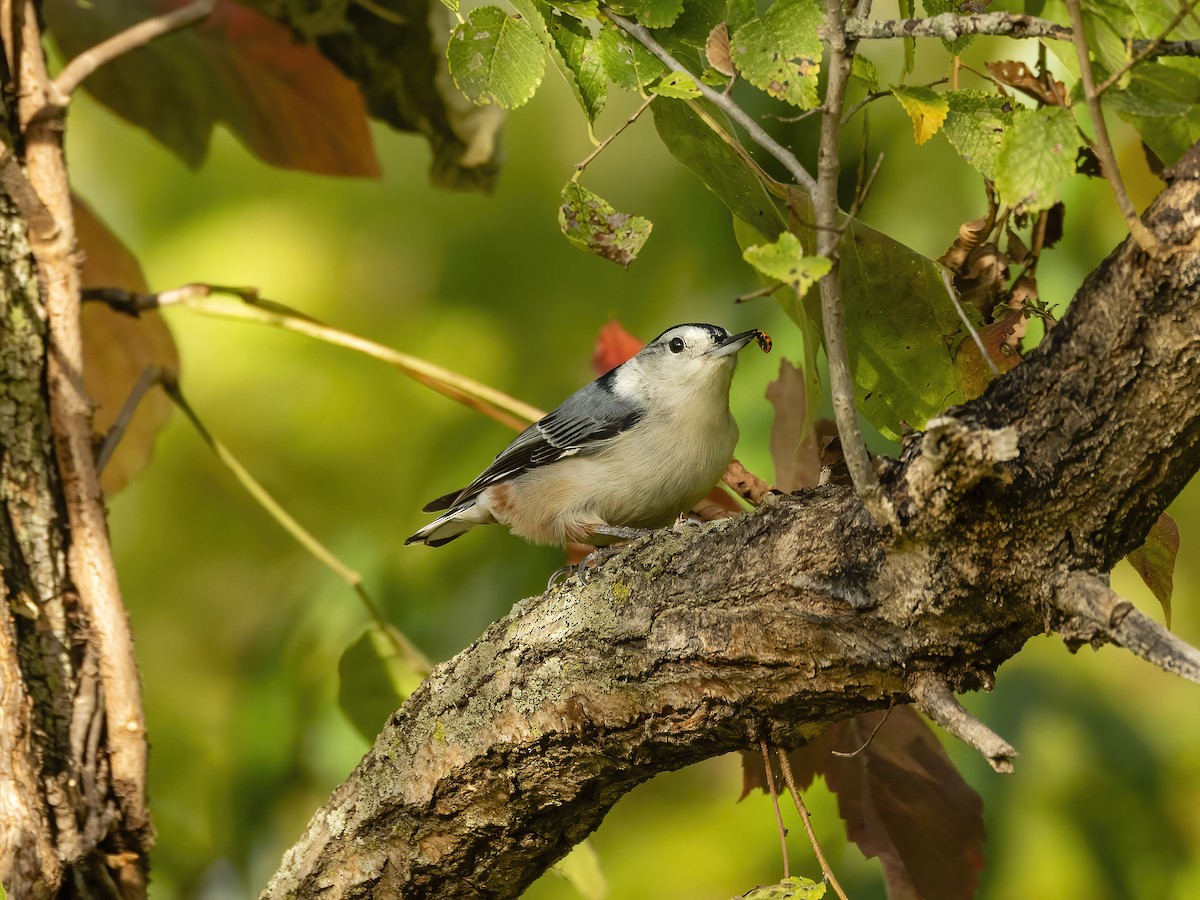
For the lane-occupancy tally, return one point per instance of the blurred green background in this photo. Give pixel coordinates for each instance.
(239, 631)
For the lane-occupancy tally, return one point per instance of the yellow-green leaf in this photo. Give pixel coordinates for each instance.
(785, 261)
(926, 108)
(678, 85)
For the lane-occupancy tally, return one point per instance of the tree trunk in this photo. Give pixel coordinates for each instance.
(695, 643)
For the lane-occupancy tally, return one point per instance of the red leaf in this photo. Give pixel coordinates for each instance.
(284, 100)
(614, 345)
(1154, 561)
(901, 799)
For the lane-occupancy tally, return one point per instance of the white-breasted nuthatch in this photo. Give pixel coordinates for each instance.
(629, 451)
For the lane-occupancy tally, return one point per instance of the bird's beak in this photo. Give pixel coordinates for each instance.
(734, 343)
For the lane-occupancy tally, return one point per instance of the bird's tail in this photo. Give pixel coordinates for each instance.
(447, 526)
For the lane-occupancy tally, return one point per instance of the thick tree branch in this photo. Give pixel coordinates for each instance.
(771, 625)
(89, 555)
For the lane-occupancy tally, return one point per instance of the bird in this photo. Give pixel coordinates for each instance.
(624, 454)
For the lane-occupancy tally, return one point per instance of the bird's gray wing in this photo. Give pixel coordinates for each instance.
(581, 425)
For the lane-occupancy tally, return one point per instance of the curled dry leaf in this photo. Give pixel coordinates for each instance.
(716, 50)
(117, 349)
(1018, 75)
(980, 268)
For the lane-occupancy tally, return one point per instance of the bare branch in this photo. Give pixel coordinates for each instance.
(1104, 150)
(731, 109)
(935, 699)
(141, 34)
(1098, 615)
(766, 755)
(583, 164)
(825, 209)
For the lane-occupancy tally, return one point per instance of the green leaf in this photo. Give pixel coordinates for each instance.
(780, 53)
(677, 85)
(629, 65)
(900, 327)
(1039, 151)
(496, 58)
(1162, 101)
(373, 681)
(925, 107)
(1154, 561)
(698, 19)
(864, 70)
(657, 13)
(795, 888)
(785, 261)
(975, 126)
(581, 869)
(739, 12)
(718, 165)
(283, 99)
(579, 9)
(573, 50)
(590, 223)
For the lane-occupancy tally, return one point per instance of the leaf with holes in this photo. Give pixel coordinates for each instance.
(496, 58)
(573, 49)
(780, 53)
(677, 85)
(1154, 561)
(629, 65)
(286, 102)
(975, 126)
(590, 223)
(926, 108)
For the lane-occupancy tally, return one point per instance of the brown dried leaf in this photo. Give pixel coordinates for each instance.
(117, 349)
(1002, 339)
(794, 448)
(1154, 561)
(901, 799)
(1018, 75)
(716, 50)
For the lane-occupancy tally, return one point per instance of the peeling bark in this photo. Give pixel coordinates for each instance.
(693, 643)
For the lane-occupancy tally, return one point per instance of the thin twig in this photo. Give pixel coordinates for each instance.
(731, 109)
(761, 292)
(785, 766)
(407, 651)
(863, 188)
(583, 164)
(850, 754)
(987, 357)
(148, 379)
(251, 308)
(766, 754)
(1145, 53)
(1104, 150)
(77, 70)
(825, 208)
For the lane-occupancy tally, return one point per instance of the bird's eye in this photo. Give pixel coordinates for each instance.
(676, 345)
